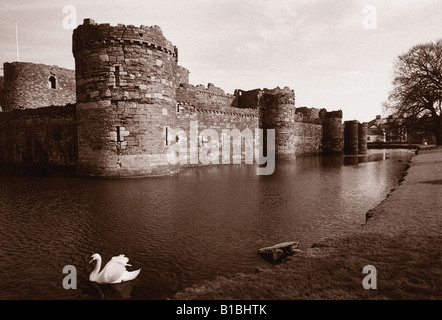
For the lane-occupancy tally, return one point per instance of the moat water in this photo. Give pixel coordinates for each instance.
(179, 229)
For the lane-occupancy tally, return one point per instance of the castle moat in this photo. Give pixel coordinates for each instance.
(179, 229)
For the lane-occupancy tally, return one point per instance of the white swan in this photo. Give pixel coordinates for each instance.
(113, 272)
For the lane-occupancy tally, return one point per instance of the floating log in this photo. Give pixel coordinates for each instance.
(277, 253)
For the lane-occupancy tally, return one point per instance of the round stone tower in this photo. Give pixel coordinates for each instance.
(351, 145)
(362, 137)
(30, 85)
(126, 86)
(277, 111)
(332, 134)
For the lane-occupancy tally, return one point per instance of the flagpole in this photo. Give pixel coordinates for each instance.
(16, 37)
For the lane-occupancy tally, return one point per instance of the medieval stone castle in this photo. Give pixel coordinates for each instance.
(113, 115)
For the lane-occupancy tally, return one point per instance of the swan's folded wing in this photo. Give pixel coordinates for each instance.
(130, 275)
(121, 259)
(112, 272)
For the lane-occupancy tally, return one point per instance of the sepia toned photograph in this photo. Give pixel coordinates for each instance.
(238, 152)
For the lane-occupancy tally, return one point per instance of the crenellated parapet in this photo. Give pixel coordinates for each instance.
(299, 130)
(182, 76)
(210, 97)
(123, 62)
(308, 113)
(91, 34)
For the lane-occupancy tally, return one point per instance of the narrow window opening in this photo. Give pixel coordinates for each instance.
(117, 76)
(53, 82)
(167, 135)
(118, 133)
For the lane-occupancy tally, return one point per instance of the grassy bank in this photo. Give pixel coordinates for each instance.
(402, 240)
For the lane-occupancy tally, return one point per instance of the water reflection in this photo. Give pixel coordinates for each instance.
(179, 229)
(370, 157)
(119, 291)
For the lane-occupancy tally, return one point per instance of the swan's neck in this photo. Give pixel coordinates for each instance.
(94, 273)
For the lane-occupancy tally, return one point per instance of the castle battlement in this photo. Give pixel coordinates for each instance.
(131, 98)
(92, 34)
(210, 97)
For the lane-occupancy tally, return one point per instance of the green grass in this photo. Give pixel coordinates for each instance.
(407, 268)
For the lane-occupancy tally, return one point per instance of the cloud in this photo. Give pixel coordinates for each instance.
(317, 47)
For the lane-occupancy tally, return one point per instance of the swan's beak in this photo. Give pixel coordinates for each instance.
(91, 260)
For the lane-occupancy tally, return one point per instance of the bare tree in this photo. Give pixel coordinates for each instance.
(417, 93)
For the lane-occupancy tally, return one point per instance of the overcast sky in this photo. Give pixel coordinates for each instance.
(332, 53)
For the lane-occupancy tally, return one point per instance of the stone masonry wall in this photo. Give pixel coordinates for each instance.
(201, 97)
(355, 137)
(223, 122)
(295, 134)
(126, 84)
(30, 85)
(182, 76)
(308, 138)
(211, 108)
(298, 130)
(362, 138)
(44, 136)
(131, 98)
(351, 138)
(333, 134)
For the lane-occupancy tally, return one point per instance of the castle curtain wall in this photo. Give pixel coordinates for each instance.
(39, 137)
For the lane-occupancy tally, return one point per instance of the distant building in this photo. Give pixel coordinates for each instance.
(376, 131)
(388, 130)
